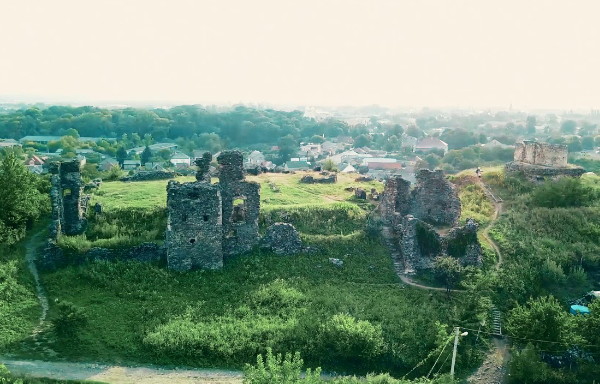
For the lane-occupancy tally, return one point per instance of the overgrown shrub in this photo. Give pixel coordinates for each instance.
(349, 338)
(564, 192)
(69, 319)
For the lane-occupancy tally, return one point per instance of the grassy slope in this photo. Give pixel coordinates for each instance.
(19, 308)
(125, 302)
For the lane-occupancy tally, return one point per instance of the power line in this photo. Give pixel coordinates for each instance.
(536, 340)
(436, 360)
(427, 357)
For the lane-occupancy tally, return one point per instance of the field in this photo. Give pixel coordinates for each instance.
(355, 318)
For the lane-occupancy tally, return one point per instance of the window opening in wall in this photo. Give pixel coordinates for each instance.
(192, 241)
(205, 217)
(238, 214)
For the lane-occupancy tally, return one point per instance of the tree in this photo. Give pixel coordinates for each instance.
(530, 125)
(287, 147)
(568, 127)
(543, 318)
(121, 156)
(146, 156)
(329, 165)
(447, 270)
(23, 198)
(587, 142)
(564, 192)
(72, 132)
(362, 141)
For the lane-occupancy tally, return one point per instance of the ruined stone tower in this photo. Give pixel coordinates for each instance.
(68, 204)
(208, 222)
(241, 204)
(194, 229)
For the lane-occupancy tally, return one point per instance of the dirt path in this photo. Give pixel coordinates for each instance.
(493, 369)
(41, 344)
(120, 374)
(497, 212)
(31, 246)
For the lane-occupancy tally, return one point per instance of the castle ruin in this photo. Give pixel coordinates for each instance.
(410, 217)
(68, 202)
(538, 160)
(544, 154)
(209, 222)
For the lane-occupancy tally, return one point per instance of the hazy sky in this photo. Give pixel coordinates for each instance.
(399, 52)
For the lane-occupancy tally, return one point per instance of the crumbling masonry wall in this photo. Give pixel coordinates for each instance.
(411, 216)
(434, 198)
(208, 222)
(194, 229)
(68, 202)
(549, 155)
(241, 205)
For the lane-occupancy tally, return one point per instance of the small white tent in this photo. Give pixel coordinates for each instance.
(349, 169)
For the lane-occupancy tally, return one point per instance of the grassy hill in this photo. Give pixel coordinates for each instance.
(355, 318)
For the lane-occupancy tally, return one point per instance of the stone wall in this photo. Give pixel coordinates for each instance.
(420, 244)
(396, 199)
(194, 226)
(537, 171)
(435, 199)
(68, 202)
(549, 155)
(53, 257)
(150, 175)
(410, 216)
(207, 222)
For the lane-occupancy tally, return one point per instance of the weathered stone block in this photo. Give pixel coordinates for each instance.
(283, 239)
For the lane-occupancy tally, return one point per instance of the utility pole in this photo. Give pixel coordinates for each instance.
(456, 330)
(456, 335)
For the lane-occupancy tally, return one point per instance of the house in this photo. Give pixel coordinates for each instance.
(350, 156)
(8, 143)
(35, 164)
(255, 158)
(409, 141)
(382, 163)
(47, 139)
(131, 164)
(431, 143)
(180, 159)
(107, 164)
(496, 144)
(154, 148)
(296, 165)
(310, 150)
(330, 147)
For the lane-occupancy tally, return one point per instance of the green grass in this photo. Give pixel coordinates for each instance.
(135, 212)
(127, 302)
(118, 195)
(141, 313)
(19, 308)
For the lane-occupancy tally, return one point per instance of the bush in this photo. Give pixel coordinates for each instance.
(349, 338)
(279, 369)
(565, 192)
(69, 319)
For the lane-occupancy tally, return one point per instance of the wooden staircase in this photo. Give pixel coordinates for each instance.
(496, 322)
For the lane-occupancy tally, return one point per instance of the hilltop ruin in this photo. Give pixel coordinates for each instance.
(413, 221)
(208, 222)
(68, 201)
(538, 160)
